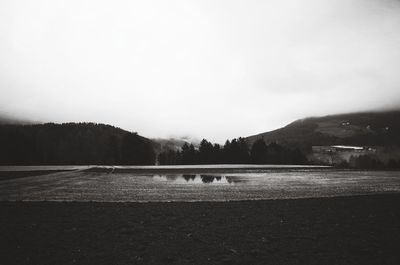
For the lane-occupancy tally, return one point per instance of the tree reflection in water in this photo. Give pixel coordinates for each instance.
(189, 177)
(207, 178)
(202, 178)
(210, 179)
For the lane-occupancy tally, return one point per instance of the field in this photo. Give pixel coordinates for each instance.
(207, 183)
(340, 230)
(91, 215)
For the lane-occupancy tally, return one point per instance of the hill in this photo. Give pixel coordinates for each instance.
(174, 144)
(367, 129)
(72, 144)
(6, 119)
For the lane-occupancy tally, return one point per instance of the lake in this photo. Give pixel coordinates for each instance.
(188, 183)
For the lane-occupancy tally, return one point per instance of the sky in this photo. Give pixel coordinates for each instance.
(214, 69)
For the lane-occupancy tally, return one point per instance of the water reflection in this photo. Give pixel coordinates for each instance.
(208, 178)
(199, 179)
(189, 177)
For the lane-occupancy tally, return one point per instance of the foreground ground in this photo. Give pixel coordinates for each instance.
(342, 230)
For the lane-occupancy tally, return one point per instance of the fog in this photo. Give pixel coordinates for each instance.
(214, 69)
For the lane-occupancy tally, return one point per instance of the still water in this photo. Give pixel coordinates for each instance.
(216, 183)
(192, 179)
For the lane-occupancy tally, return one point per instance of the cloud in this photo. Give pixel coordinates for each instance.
(215, 69)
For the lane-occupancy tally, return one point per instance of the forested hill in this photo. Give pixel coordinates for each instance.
(4, 119)
(369, 128)
(73, 144)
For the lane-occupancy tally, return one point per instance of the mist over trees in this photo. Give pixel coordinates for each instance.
(73, 144)
(235, 151)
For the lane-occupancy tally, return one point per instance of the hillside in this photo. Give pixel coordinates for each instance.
(162, 145)
(6, 119)
(369, 128)
(72, 144)
(167, 144)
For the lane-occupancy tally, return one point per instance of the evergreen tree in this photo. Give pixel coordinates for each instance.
(259, 152)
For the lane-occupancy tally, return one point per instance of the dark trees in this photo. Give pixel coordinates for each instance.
(233, 152)
(72, 143)
(188, 155)
(259, 152)
(135, 151)
(236, 152)
(206, 153)
(169, 157)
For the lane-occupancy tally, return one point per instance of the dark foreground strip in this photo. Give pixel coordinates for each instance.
(343, 230)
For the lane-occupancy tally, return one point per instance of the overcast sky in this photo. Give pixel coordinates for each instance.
(214, 69)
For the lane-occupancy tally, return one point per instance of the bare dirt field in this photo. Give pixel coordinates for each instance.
(342, 230)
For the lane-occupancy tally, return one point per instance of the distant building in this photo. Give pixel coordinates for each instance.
(335, 154)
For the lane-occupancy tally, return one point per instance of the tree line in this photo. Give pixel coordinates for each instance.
(235, 151)
(370, 162)
(99, 144)
(73, 144)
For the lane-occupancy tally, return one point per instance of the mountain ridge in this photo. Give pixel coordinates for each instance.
(359, 128)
